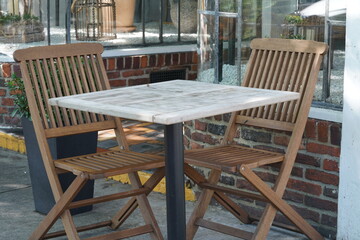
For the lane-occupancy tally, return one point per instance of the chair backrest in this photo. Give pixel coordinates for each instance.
(62, 70)
(286, 65)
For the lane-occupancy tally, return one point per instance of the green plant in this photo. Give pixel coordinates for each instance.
(17, 89)
(11, 18)
(294, 19)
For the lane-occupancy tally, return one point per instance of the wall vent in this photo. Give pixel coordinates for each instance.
(162, 76)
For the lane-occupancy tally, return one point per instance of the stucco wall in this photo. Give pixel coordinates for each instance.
(349, 195)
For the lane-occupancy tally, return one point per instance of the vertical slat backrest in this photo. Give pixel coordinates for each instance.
(286, 65)
(63, 70)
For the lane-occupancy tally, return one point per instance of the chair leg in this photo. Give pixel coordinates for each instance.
(60, 209)
(220, 197)
(280, 204)
(201, 205)
(145, 207)
(132, 204)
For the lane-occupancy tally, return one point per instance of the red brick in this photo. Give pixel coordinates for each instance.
(331, 165)
(128, 63)
(293, 196)
(194, 68)
(316, 175)
(195, 58)
(113, 75)
(11, 120)
(161, 60)
(297, 172)
(266, 176)
(192, 76)
(168, 59)
(308, 214)
(187, 131)
(152, 61)
(189, 56)
(14, 92)
(120, 63)
(320, 203)
(218, 118)
(281, 140)
(310, 129)
(132, 73)
(7, 102)
(182, 58)
(16, 70)
(175, 58)
(308, 160)
(144, 62)
(3, 110)
(244, 184)
(304, 186)
(323, 149)
(188, 123)
(329, 221)
(331, 192)
(194, 145)
(323, 129)
(118, 83)
(202, 126)
(335, 134)
(203, 138)
(139, 81)
(6, 70)
(111, 64)
(136, 62)
(2, 92)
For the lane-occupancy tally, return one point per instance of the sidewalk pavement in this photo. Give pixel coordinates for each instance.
(18, 218)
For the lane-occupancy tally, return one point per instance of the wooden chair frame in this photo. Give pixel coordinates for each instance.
(278, 64)
(61, 70)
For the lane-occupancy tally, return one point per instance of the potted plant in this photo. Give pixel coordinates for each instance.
(125, 11)
(61, 147)
(21, 28)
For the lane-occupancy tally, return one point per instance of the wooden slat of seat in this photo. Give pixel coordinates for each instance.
(109, 163)
(224, 229)
(231, 157)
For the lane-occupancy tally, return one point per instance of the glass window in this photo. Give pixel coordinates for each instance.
(114, 23)
(226, 28)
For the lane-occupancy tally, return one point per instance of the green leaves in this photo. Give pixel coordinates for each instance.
(17, 89)
(10, 18)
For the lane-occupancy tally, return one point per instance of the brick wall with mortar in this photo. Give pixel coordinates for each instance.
(313, 186)
(121, 71)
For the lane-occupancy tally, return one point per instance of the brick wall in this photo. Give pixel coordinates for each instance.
(6, 101)
(135, 70)
(313, 186)
(121, 71)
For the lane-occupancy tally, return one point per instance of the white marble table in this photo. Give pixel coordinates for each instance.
(170, 103)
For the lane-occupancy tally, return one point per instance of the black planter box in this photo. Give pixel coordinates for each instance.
(60, 147)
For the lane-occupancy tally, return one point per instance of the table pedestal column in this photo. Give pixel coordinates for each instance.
(175, 193)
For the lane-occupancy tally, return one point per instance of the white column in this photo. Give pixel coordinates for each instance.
(349, 192)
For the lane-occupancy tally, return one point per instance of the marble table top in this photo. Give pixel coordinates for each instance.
(172, 101)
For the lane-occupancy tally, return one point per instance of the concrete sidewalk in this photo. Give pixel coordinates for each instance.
(18, 219)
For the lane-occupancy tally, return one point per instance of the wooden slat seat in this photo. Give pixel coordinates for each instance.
(64, 70)
(276, 64)
(106, 164)
(231, 157)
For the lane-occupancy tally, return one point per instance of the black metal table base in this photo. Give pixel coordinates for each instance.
(175, 193)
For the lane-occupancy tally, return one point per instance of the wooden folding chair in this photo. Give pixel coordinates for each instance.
(278, 64)
(62, 70)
